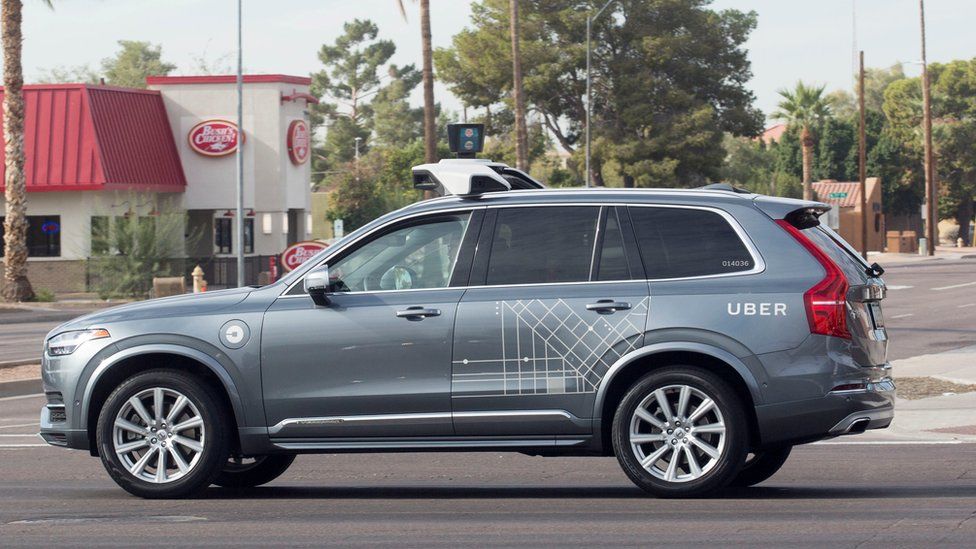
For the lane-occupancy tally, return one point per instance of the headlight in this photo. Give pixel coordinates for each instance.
(66, 343)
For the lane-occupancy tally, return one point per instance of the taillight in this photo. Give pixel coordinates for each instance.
(826, 302)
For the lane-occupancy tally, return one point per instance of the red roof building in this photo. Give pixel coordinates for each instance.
(96, 154)
(79, 137)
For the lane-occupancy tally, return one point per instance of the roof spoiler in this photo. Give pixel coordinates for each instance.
(802, 214)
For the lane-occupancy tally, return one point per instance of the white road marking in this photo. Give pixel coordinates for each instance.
(22, 436)
(20, 425)
(892, 442)
(967, 305)
(903, 316)
(896, 287)
(5, 446)
(939, 289)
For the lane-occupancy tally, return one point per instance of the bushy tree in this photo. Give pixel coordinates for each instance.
(133, 63)
(132, 249)
(663, 94)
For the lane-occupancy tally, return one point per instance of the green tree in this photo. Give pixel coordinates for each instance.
(351, 77)
(954, 131)
(663, 96)
(395, 122)
(804, 107)
(133, 250)
(133, 63)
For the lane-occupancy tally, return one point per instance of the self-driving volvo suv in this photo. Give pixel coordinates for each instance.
(696, 335)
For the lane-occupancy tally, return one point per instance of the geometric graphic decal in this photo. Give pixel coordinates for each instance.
(548, 348)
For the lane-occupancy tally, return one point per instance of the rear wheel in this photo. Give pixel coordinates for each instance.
(248, 472)
(761, 465)
(680, 432)
(161, 434)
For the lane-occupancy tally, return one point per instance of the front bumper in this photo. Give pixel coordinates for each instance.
(836, 413)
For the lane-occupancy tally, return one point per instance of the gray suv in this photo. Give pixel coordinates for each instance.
(696, 335)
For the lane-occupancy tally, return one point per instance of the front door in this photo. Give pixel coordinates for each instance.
(377, 360)
(555, 299)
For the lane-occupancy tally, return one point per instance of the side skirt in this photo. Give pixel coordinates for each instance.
(535, 445)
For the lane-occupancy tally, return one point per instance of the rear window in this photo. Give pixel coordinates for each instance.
(851, 264)
(684, 242)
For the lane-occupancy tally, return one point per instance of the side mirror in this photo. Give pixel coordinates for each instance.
(317, 285)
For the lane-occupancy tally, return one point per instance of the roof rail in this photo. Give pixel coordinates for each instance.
(725, 187)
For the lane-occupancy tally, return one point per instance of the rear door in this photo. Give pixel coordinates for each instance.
(865, 317)
(556, 297)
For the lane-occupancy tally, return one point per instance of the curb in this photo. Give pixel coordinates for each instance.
(37, 316)
(20, 387)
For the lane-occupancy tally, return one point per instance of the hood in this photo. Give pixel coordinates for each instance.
(181, 305)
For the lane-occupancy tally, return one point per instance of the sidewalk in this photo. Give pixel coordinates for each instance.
(67, 306)
(943, 418)
(946, 253)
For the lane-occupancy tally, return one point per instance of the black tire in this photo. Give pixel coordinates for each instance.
(215, 424)
(730, 447)
(762, 465)
(262, 470)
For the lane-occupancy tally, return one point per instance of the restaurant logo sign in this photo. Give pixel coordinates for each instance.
(299, 253)
(298, 142)
(213, 138)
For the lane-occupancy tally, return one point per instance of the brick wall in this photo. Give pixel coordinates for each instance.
(56, 276)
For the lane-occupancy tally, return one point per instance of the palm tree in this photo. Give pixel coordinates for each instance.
(806, 107)
(521, 133)
(16, 286)
(430, 131)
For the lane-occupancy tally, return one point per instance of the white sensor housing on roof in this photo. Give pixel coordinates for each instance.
(460, 177)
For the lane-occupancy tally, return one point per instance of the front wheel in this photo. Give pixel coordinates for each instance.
(680, 432)
(248, 472)
(161, 434)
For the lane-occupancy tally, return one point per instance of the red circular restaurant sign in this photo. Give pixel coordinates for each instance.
(300, 252)
(298, 142)
(213, 138)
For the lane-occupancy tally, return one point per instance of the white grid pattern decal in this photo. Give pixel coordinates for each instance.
(549, 348)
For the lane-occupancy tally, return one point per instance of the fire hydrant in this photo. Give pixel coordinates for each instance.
(199, 284)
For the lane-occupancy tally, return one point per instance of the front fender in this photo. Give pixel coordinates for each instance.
(737, 363)
(225, 372)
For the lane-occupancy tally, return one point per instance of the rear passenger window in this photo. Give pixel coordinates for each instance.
(683, 242)
(540, 245)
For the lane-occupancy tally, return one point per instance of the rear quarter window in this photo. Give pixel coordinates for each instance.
(684, 242)
(851, 265)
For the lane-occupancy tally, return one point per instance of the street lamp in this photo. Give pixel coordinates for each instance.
(589, 25)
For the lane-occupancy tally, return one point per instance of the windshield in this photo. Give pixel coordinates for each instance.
(839, 252)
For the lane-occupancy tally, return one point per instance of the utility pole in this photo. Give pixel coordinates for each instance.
(240, 146)
(862, 160)
(521, 132)
(931, 196)
(589, 85)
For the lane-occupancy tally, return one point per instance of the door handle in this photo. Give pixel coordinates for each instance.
(607, 306)
(417, 313)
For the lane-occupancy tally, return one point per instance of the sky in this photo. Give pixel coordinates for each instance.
(794, 39)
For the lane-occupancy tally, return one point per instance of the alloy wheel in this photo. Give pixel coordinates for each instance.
(677, 433)
(158, 435)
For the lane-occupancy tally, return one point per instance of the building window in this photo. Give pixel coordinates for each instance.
(249, 235)
(266, 223)
(224, 235)
(43, 236)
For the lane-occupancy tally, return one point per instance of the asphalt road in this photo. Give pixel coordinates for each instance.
(841, 495)
(931, 307)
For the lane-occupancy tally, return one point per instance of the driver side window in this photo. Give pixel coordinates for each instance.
(415, 256)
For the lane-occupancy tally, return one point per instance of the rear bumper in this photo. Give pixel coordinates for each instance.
(839, 413)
